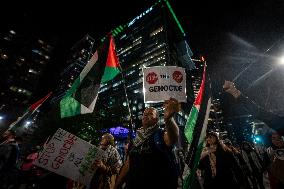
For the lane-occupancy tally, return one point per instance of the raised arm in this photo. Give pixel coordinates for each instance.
(172, 131)
(272, 120)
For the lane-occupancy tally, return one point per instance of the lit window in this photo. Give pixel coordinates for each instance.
(136, 91)
(33, 71)
(4, 56)
(12, 32)
(155, 32)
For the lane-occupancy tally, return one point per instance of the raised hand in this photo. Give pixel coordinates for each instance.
(230, 88)
(171, 106)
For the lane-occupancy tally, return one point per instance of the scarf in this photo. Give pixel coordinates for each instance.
(143, 134)
(212, 158)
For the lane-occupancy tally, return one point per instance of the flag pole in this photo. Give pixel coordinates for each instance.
(127, 103)
(126, 97)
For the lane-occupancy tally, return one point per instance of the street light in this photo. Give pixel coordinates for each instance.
(281, 60)
(1, 117)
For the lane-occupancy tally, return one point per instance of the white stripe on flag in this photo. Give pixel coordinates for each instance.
(89, 66)
(205, 123)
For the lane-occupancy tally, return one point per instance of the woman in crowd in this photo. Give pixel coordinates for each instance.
(218, 165)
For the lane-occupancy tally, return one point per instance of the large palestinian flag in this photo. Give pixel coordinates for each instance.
(102, 67)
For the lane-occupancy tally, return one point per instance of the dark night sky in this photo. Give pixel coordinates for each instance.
(215, 29)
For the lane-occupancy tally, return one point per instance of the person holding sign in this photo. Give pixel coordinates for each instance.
(150, 162)
(108, 167)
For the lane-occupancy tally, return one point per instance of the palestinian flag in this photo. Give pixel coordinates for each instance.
(195, 130)
(191, 121)
(28, 112)
(101, 68)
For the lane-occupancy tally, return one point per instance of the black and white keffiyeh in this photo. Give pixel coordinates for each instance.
(143, 134)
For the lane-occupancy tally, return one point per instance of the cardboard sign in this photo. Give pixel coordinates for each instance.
(164, 82)
(69, 156)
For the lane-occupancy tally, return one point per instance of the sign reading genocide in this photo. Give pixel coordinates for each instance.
(69, 156)
(164, 82)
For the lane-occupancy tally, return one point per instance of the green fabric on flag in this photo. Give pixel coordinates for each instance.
(189, 180)
(69, 107)
(109, 74)
(190, 124)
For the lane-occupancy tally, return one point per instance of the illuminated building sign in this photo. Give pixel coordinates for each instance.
(118, 132)
(140, 16)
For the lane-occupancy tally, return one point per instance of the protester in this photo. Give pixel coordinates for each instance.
(272, 120)
(9, 153)
(150, 162)
(218, 165)
(254, 163)
(276, 162)
(246, 175)
(108, 167)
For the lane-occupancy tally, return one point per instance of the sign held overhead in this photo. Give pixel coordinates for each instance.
(164, 82)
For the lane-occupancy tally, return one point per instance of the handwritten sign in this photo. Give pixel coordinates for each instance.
(69, 156)
(164, 82)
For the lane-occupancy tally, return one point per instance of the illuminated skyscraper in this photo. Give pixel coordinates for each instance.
(23, 60)
(153, 38)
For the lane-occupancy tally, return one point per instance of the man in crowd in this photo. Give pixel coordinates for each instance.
(9, 152)
(108, 167)
(150, 162)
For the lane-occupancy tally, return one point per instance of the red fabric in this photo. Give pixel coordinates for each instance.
(112, 59)
(200, 93)
(38, 103)
(29, 161)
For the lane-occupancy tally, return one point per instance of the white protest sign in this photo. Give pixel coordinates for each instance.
(69, 156)
(164, 82)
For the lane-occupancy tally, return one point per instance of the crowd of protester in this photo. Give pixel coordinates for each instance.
(153, 159)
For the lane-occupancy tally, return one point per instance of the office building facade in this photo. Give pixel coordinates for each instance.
(24, 58)
(153, 38)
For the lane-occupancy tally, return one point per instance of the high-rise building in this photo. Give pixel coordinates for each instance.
(23, 59)
(153, 38)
